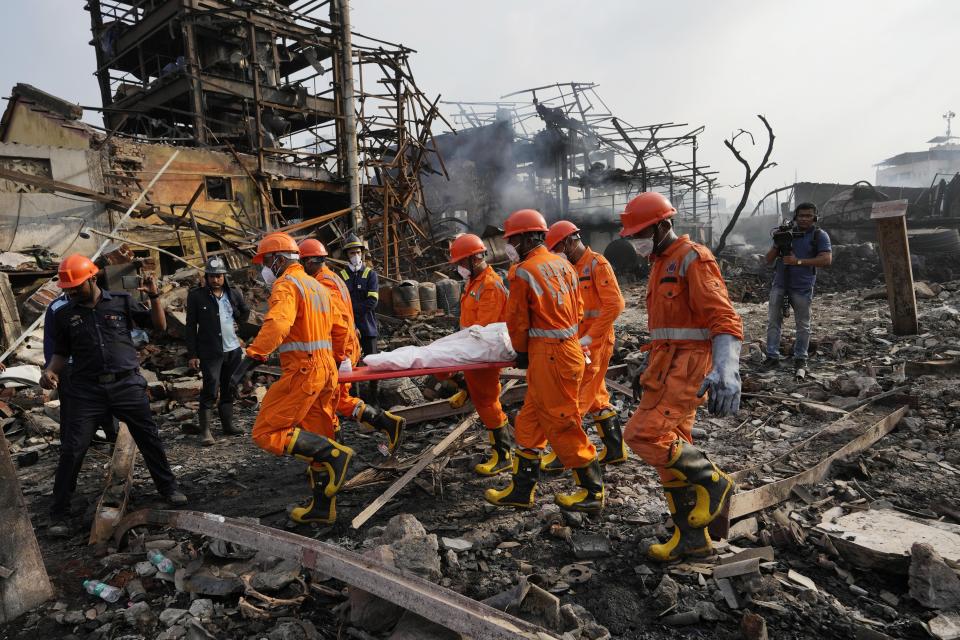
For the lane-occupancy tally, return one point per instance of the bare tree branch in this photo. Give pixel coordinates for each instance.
(750, 176)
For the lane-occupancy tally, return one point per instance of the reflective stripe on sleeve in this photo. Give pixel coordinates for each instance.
(527, 277)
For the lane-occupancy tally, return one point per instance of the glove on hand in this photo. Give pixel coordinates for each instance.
(247, 364)
(345, 367)
(723, 382)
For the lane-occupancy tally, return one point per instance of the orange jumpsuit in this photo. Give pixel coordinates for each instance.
(602, 303)
(688, 305)
(311, 336)
(340, 297)
(484, 302)
(543, 313)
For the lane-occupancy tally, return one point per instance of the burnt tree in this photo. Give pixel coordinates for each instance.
(750, 176)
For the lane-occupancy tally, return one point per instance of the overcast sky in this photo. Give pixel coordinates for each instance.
(844, 84)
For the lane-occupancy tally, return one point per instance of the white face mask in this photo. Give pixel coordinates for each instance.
(464, 272)
(356, 260)
(643, 246)
(268, 276)
(512, 253)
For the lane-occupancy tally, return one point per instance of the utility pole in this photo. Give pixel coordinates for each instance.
(352, 170)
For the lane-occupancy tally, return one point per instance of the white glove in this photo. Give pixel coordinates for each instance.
(586, 341)
(345, 366)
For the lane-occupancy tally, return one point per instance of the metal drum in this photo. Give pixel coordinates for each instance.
(406, 299)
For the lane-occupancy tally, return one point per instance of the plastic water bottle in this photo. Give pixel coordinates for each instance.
(161, 562)
(102, 590)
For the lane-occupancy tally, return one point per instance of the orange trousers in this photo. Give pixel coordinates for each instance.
(594, 396)
(669, 403)
(301, 398)
(484, 388)
(346, 403)
(550, 412)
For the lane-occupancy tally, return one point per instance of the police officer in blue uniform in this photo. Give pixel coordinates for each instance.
(94, 329)
(213, 346)
(364, 287)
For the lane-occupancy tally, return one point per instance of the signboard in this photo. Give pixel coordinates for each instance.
(891, 209)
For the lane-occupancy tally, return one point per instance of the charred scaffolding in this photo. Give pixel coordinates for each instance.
(336, 127)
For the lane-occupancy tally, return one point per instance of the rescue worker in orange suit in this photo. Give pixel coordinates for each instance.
(297, 415)
(543, 316)
(694, 350)
(313, 255)
(602, 304)
(483, 302)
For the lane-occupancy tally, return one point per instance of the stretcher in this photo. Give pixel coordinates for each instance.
(362, 374)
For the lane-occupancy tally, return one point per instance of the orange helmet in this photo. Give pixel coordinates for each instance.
(277, 242)
(560, 231)
(464, 246)
(645, 210)
(74, 270)
(524, 221)
(311, 248)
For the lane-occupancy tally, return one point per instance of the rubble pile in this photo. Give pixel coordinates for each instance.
(869, 551)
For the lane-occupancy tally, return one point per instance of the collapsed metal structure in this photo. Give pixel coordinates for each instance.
(284, 81)
(567, 137)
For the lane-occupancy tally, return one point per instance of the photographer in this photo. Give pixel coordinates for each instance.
(799, 248)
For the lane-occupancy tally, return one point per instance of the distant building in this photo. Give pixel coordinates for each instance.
(921, 168)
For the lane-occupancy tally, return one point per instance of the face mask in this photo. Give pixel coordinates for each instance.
(268, 276)
(355, 261)
(643, 246)
(464, 272)
(512, 254)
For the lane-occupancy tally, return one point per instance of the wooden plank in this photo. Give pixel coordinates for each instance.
(444, 606)
(742, 504)
(439, 409)
(113, 503)
(897, 269)
(28, 585)
(9, 316)
(412, 472)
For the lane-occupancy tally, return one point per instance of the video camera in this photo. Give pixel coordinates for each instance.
(783, 237)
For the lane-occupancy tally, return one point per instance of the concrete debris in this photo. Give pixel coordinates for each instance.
(932, 583)
(945, 626)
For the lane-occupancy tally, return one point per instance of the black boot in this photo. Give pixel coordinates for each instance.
(611, 434)
(206, 438)
(313, 448)
(501, 454)
(385, 422)
(685, 541)
(712, 486)
(550, 463)
(226, 420)
(589, 498)
(321, 509)
(523, 484)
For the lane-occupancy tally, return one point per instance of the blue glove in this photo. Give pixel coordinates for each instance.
(723, 382)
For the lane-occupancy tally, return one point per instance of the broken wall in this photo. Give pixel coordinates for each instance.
(30, 216)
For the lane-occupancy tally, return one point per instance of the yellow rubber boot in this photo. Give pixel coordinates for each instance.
(590, 497)
(321, 509)
(550, 463)
(611, 435)
(458, 399)
(387, 423)
(322, 451)
(685, 540)
(711, 485)
(501, 454)
(523, 483)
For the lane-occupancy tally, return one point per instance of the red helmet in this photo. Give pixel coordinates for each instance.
(74, 270)
(645, 210)
(464, 246)
(560, 231)
(524, 221)
(312, 248)
(276, 242)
